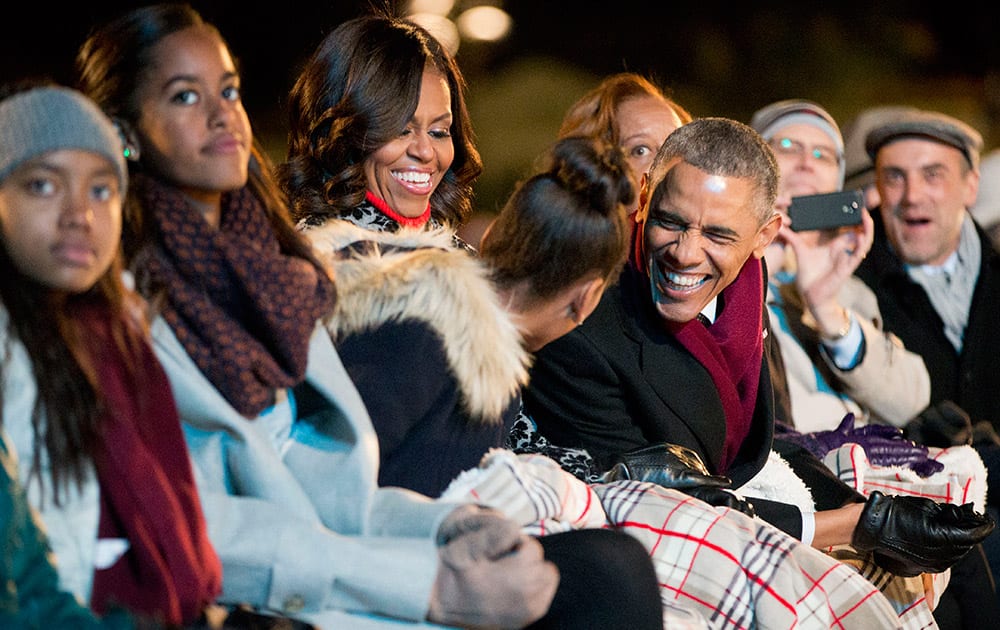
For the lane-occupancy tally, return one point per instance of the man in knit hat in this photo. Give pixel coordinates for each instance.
(935, 271)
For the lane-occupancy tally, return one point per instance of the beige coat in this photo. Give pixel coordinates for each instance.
(890, 385)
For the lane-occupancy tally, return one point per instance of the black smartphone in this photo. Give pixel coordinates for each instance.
(826, 211)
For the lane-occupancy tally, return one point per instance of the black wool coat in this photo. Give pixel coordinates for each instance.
(621, 381)
(970, 378)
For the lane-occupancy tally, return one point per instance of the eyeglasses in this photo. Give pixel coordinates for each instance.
(793, 148)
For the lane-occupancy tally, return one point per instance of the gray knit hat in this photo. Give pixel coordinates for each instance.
(50, 118)
(770, 119)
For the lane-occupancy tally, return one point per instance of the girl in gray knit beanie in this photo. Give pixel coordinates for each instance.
(62, 182)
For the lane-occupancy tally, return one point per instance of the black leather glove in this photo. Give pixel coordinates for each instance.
(943, 425)
(913, 535)
(679, 468)
(667, 465)
(721, 497)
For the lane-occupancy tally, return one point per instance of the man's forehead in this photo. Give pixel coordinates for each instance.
(717, 202)
(710, 183)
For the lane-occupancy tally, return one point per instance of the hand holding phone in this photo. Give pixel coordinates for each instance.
(826, 211)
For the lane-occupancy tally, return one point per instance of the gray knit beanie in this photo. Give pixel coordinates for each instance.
(771, 119)
(50, 118)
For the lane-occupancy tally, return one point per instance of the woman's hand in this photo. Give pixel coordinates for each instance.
(490, 575)
(824, 261)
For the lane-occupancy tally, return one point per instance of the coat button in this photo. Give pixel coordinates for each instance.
(294, 603)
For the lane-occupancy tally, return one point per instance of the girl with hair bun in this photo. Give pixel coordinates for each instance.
(561, 238)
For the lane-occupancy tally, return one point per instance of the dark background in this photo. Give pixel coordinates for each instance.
(716, 58)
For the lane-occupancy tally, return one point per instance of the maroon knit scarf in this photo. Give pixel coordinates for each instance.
(242, 309)
(731, 349)
(148, 494)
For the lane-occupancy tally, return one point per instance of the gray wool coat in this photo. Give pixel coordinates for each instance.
(293, 508)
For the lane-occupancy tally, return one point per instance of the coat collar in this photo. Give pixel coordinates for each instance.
(421, 275)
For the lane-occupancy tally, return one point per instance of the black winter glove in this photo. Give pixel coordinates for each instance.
(942, 425)
(667, 465)
(913, 535)
(721, 497)
(679, 468)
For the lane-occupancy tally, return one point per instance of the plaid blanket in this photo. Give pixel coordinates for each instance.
(718, 568)
(963, 479)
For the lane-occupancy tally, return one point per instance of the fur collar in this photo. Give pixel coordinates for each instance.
(419, 275)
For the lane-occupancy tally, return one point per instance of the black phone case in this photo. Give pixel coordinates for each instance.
(826, 211)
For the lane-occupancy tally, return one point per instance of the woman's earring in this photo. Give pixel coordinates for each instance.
(130, 148)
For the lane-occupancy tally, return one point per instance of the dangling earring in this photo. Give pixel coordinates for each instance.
(130, 148)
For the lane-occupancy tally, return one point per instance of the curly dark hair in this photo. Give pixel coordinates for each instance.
(356, 92)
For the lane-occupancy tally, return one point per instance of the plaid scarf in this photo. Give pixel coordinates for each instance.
(148, 494)
(243, 310)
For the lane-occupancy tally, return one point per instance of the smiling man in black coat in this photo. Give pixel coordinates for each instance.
(677, 352)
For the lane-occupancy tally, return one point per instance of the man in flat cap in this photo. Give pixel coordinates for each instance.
(934, 270)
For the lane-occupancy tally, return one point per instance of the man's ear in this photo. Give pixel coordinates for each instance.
(766, 234)
(642, 211)
(971, 187)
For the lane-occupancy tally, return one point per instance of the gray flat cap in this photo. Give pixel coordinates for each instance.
(859, 167)
(933, 126)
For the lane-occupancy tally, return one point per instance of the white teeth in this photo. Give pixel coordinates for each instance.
(683, 281)
(412, 177)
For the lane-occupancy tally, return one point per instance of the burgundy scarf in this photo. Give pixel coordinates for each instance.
(242, 309)
(731, 349)
(148, 494)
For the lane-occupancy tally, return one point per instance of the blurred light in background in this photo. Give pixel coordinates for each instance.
(435, 7)
(476, 22)
(484, 23)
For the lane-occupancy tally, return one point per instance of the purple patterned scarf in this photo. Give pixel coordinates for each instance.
(243, 310)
